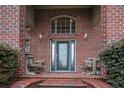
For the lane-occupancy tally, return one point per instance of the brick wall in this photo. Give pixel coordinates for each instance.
(110, 27)
(84, 48)
(112, 24)
(11, 30)
(9, 25)
(115, 22)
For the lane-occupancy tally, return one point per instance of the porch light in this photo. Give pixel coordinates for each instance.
(85, 35)
(40, 36)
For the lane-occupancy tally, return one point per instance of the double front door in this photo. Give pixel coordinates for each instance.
(63, 55)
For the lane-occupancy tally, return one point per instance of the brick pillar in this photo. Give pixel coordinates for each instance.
(104, 32)
(12, 27)
(22, 34)
(103, 25)
(114, 22)
(112, 25)
(9, 25)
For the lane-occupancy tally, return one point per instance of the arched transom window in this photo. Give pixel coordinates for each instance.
(63, 25)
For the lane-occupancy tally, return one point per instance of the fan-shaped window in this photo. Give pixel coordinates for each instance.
(63, 25)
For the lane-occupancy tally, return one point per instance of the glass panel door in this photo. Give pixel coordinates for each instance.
(62, 56)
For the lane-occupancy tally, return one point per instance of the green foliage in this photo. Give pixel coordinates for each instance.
(8, 62)
(113, 58)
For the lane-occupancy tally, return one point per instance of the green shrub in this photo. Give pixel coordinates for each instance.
(8, 62)
(113, 58)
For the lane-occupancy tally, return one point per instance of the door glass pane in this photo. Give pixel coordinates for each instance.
(62, 56)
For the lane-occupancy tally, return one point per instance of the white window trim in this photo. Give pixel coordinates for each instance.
(56, 17)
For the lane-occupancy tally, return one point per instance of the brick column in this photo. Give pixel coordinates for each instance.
(112, 25)
(22, 34)
(104, 32)
(115, 22)
(12, 26)
(103, 25)
(9, 25)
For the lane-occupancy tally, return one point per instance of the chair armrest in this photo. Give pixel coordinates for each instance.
(39, 62)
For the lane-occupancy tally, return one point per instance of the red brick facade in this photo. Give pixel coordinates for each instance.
(115, 22)
(9, 25)
(12, 30)
(84, 48)
(112, 19)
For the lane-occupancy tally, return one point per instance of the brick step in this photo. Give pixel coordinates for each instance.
(64, 76)
(39, 83)
(62, 83)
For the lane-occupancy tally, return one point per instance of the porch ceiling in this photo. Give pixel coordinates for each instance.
(30, 12)
(61, 6)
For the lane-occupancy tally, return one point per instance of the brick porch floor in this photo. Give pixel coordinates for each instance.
(84, 82)
(57, 79)
(76, 83)
(65, 75)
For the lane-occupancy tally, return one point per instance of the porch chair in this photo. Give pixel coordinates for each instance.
(91, 66)
(38, 65)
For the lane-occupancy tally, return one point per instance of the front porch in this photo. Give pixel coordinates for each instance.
(62, 43)
(70, 34)
(63, 83)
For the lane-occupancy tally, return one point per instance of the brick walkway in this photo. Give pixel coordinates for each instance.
(84, 82)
